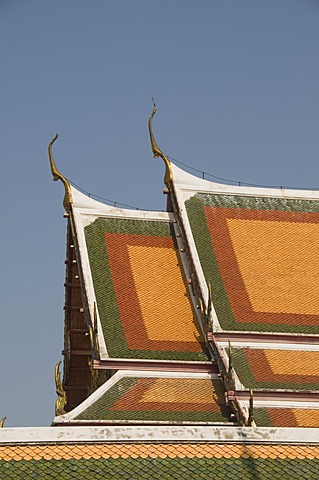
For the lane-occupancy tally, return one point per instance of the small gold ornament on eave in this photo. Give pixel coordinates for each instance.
(61, 400)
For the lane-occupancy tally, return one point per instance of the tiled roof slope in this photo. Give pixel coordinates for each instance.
(135, 397)
(287, 417)
(277, 369)
(160, 461)
(254, 254)
(259, 254)
(141, 292)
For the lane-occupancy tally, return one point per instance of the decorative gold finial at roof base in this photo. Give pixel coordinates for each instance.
(61, 400)
(67, 202)
(157, 152)
(2, 422)
(251, 421)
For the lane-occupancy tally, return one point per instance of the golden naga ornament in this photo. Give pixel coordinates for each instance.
(61, 400)
(67, 202)
(157, 152)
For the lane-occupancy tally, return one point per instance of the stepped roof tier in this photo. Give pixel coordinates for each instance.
(191, 342)
(256, 266)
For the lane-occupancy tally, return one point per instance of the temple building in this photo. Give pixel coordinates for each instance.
(191, 339)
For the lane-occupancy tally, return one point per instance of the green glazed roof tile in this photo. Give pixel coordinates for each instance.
(236, 237)
(123, 254)
(174, 461)
(160, 399)
(276, 369)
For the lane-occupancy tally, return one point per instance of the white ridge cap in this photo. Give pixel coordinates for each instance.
(188, 182)
(155, 434)
(80, 200)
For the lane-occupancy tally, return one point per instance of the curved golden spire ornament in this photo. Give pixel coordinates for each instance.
(2, 422)
(157, 152)
(61, 400)
(67, 202)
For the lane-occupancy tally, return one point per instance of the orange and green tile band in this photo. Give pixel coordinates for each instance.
(287, 417)
(142, 295)
(161, 399)
(121, 450)
(160, 461)
(254, 254)
(277, 369)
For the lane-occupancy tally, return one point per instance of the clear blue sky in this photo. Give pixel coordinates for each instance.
(236, 85)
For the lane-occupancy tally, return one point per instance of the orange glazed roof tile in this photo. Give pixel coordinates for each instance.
(173, 461)
(143, 301)
(259, 255)
(287, 417)
(277, 369)
(134, 397)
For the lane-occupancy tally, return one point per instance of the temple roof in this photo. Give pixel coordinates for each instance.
(226, 277)
(191, 338)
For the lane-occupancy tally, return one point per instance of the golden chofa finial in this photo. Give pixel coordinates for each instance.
(61, 400)
(2, 422)
(157, 152)
(67, 202)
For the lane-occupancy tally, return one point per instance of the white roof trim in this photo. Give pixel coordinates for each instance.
(156, 434)
(269, 346)
(90, 209)
(190, 185)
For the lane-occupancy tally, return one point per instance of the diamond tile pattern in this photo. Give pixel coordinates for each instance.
(159, 461)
